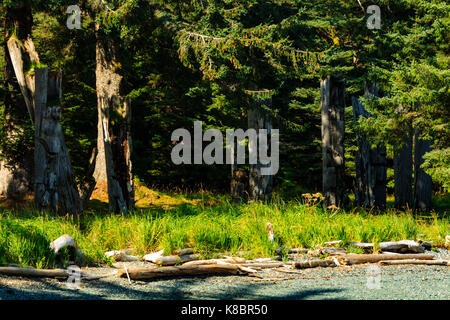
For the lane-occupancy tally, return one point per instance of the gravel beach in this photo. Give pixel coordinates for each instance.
(340, 283)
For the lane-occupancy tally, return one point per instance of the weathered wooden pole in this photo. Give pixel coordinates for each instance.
(54, 183)
(260, 186)
(55, 187)
(423, 185)
(332, 91)
(403, 173)
(113, 168)
(370, 163)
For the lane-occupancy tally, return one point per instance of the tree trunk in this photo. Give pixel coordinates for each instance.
(332, 92)
(423, 185)
(260, 186)
(403, 174)
(370, 163)
(55, 186)
(16, 166)
(54, 183)
(113, 164)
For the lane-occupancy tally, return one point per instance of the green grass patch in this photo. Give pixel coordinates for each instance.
(210, 230)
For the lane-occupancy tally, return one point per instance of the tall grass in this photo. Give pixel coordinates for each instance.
(25, 235)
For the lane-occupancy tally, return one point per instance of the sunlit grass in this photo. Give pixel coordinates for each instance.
(210, 230)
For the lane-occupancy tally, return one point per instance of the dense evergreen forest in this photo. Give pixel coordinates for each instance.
(137, 70)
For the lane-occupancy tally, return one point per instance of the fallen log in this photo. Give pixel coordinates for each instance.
(173, 260)
(215, 261)
(374, 258)
(402, 246)
(182, 252)
(151, 257)
(414, 261)
(313, 264)
(41, 273)
(164, 272)
(122, 255)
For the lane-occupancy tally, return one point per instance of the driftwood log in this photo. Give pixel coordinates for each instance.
(173, 260)
(402, 246)
(164, 272)
(44, 273)
(215, 261)
(414, 261)
(374, 258)
(122, 255)
(182, 252)
(314, 264)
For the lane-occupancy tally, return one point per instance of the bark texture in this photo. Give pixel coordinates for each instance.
(55, 188)
(403, 174)
(370, 163)
(260, 186)
(332, 91)
(423, 185)
(113, 162)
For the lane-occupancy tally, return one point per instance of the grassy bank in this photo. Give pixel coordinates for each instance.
(25, 235)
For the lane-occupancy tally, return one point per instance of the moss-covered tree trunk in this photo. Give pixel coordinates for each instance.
(332, 91)
(113, 169)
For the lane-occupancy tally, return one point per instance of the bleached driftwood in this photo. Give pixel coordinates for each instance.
(151, 257)
(163, 272)
(122, 255)
(332, 243)
(229, 260)
(173, 260)
(414, 261)
(374, 258)
(62, 242)
(314, 264)
(42, 273)
(402, 246)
